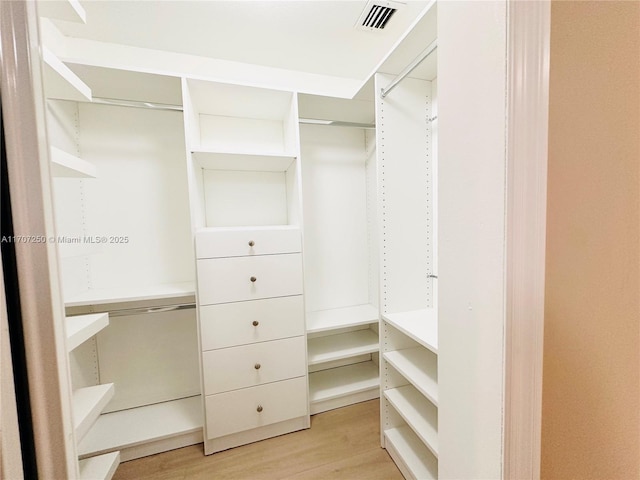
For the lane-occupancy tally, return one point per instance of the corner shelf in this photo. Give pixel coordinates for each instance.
(68, 10)
(420, 325)
(344, 345)
(326, 320)
(146, 430)
(101, 467)
(64, 164)
(241, 161)
(410, 454)
(420, 414)
(60, 82)
(337, 387)
(88, 402)
(416, 366)
(81, 328)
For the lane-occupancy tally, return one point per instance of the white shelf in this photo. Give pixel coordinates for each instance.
(138, 426)
(342, 381)
(69, 10)
(101, 467)
(420, 325)
(82, 327)
(131, 294)
(239, 161)
(326, 320)
(60, 82)
(88, 403)
(64, 164)
(420, 414)
(419, 367)
(413, 454)
(344, 345)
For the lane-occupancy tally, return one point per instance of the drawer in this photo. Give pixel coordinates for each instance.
(224, 280)
(249, 408)
(240, 323)
(238, 242)
(249, 365)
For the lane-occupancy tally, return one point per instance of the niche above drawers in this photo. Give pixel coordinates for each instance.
(252, 333)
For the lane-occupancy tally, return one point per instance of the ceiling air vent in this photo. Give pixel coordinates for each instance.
(376, 15)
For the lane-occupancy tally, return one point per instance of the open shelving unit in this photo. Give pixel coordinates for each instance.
(419, 325)
(88, 403)
(335, 318)
(341, 346)
(328, 388)
(419, 366)
(413, 458)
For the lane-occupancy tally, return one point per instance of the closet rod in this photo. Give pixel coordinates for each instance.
(136, 104)
(409, 68)
(142, 310)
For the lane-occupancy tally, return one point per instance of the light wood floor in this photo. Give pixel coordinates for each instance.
(342, 444)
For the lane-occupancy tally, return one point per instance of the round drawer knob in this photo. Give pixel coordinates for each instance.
(259, 409)
(253, 279)
(257, 366)
(251, 243)
(255, 323)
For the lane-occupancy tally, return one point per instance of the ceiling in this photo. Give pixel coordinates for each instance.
(313, 36)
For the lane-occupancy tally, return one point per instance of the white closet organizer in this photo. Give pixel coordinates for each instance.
(341, 284)
(245, 197)
(407, 155)
(125, 248)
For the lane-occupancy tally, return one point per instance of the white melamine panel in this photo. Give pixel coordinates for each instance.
(242, 135)
(372, 219)
(343, 381)
(151, 357)
(412, 456)
(223, 280)
(335, 318)
(420, 325)
(63, 129)
(183, 291)
(69, 10)
(250, 365)
(335, 211)
(83, 365)
(331, 108)
(420, 367)
(215, 160)
(230, 324)
(420, 414)
(88, 403)
(241, 198)
(60, 82)
(64, 164)
(101, 467)
(237, 411)
(404, 163)
(249, 241)
(343, 345)
(82, 327)
(139, 202)
(136, 426)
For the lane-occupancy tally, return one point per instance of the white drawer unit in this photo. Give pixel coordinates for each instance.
(240, 242)
(255, 407)
(223, 280)
(241, 323)
(249, 365)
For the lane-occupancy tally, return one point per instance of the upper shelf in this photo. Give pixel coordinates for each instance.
(60, 82)
(64, 164)
(420, 325)
(69, 10)
(238, 161)
(104, 296)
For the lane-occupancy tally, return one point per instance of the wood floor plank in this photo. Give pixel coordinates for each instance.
(341, 444)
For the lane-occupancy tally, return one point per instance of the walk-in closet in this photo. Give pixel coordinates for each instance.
(246, 242)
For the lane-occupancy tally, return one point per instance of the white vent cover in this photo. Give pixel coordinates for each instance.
(376, 14)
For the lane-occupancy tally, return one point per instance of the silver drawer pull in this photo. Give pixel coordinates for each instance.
(255, 323)
(251, 243)
(253, 279)
(257, 366)
(259, 409)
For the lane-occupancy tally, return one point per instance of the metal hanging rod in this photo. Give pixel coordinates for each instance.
(136, 104)
(409, 68)
(143, 310)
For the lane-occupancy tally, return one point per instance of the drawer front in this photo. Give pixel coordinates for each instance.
(249, 365)
(237, 411)
(240, 323)
(247, 242)
(224, 280)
